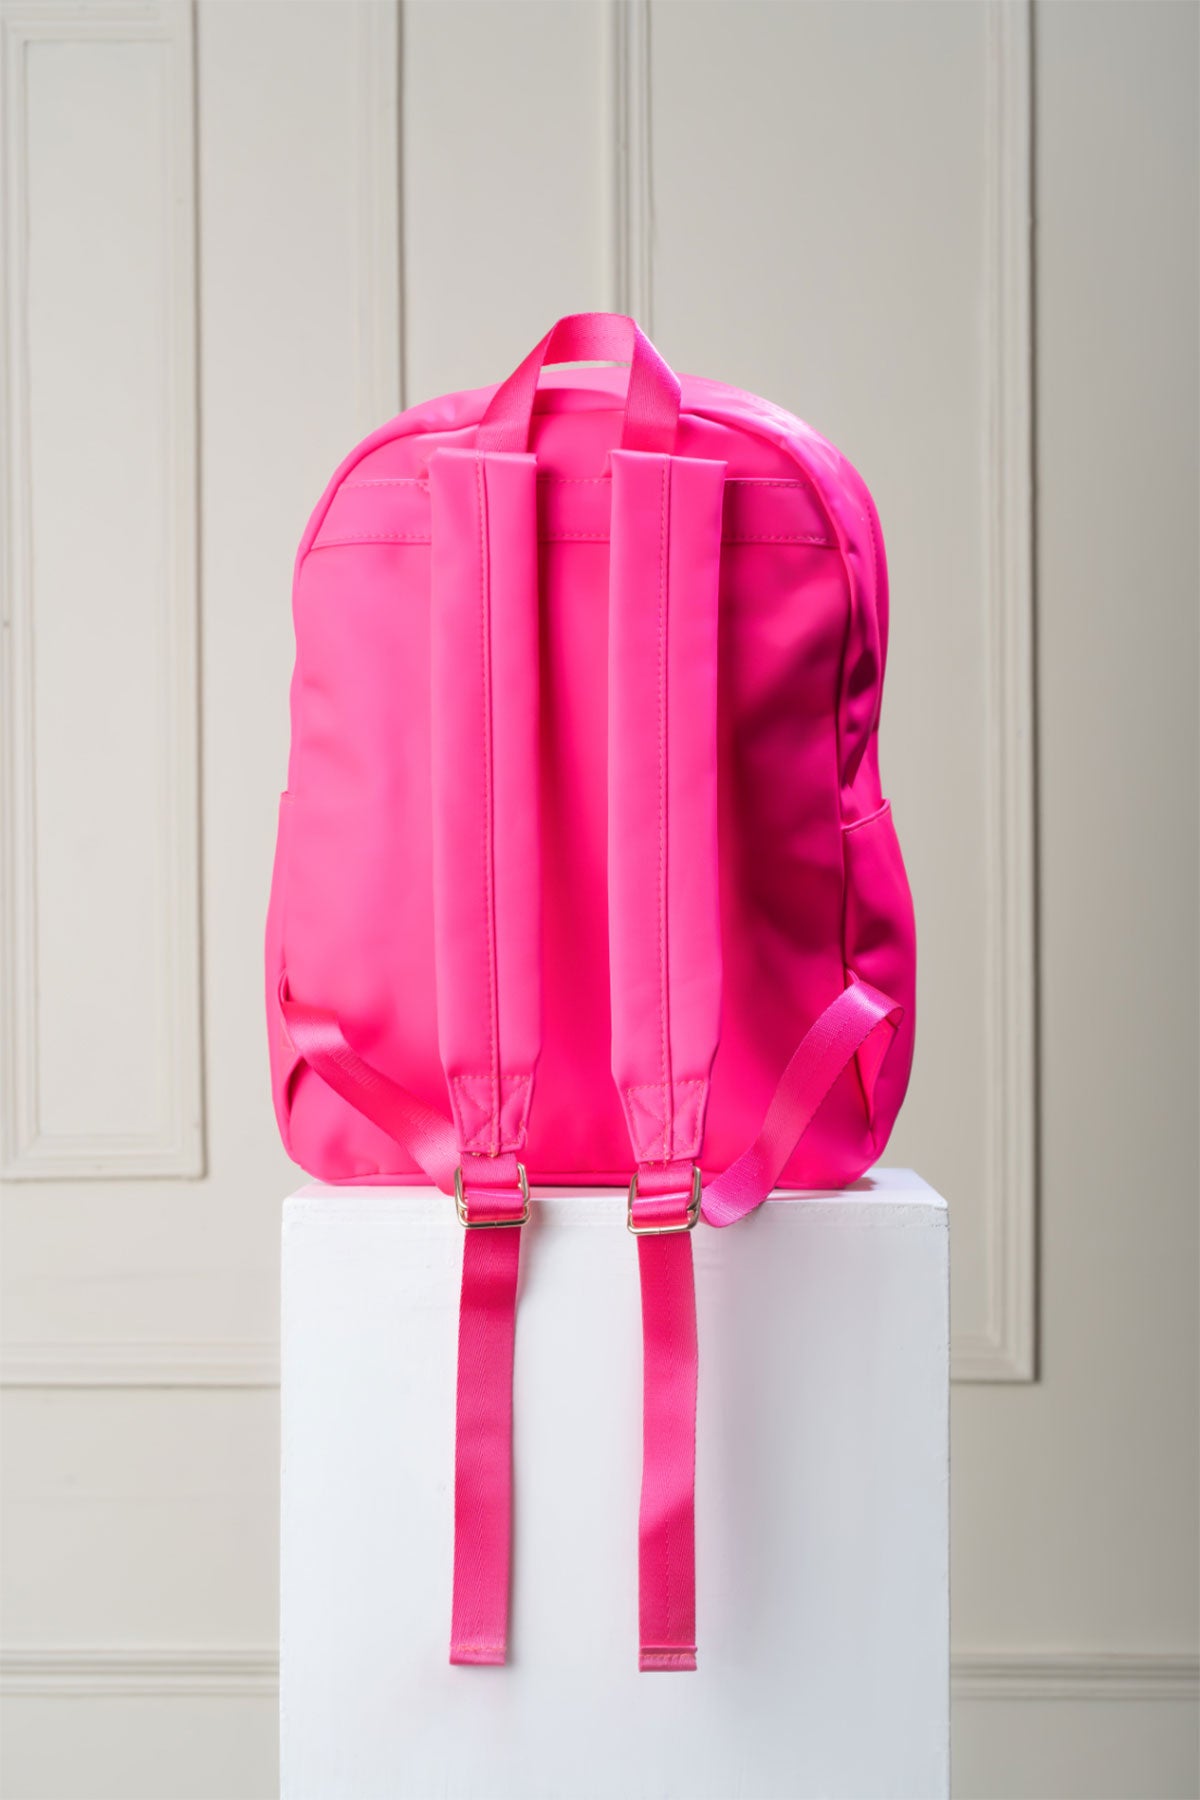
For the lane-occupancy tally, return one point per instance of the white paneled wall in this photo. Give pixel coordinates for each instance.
(236, 236)
(507, 164)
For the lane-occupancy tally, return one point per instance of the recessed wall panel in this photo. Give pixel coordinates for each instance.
(102, 1065)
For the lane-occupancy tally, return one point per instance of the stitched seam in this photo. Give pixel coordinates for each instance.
(512, 1087)
(486, 1075)
(478, 1143)
(771, 481)
(664, 945)
(556, 537)
(564, 537)
(403, 429)
(755, 481)
(875, 597)
(489, 891)
(777, 537)
(634, 1092)
(374, 481)
(655, 1087)
(871, 819)
(377, 537)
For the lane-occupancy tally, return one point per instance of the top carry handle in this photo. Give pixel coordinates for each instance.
(651, 404)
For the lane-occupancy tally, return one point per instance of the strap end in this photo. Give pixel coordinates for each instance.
(650, 1660)
(479, 1655)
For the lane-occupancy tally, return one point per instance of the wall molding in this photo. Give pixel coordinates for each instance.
(632, 163)
(174, 1147)
(1005, 1349)
(149, 1672)
(1106, 1676)
(378, 235)
(146, 1364)
(183, 1671)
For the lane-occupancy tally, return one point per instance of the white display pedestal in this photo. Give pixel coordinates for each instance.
(822, 1479)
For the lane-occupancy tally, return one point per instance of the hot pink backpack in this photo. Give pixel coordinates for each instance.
(583, 868)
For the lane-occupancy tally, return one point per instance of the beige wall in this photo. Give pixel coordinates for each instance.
(827, 203)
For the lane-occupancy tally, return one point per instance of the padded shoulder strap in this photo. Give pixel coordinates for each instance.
(486, 843)
(664, 913)
(487, 943)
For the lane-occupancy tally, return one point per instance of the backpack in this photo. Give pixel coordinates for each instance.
(583, 872)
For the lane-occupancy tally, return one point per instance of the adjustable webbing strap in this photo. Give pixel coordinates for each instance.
(487, 943)
(860, 1017)
(427, 1136)
(665, 955)
(494, 1196)
(670, 1359)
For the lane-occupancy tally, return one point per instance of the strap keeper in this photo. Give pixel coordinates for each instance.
(462, 1206)
(686, 1223)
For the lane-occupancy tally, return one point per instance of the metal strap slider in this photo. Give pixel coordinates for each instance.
(460, 1205)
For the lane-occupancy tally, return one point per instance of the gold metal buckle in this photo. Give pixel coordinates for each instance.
(686, 1224)
(460, 1205)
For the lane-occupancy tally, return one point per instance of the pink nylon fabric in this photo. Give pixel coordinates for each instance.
(811, 880)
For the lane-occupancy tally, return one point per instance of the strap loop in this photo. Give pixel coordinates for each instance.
(858, 1013)
(425, 1135)
(651, 405)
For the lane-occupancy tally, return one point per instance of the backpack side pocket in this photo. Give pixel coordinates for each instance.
(283, 1057)
(879, 946)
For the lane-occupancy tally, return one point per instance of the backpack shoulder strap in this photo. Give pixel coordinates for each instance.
(486, 841)
(487, 945)
(665, 957)
(664, 914)
(487, 948)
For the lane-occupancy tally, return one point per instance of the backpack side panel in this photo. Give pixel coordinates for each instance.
(878, 927)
